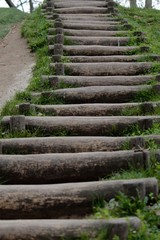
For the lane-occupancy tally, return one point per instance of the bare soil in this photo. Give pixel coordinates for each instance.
(16, 64)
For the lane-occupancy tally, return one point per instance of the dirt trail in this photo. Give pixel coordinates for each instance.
(16, 63)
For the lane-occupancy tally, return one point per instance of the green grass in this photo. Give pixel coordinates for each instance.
(145, 20)
(123, 206)
(8, 18)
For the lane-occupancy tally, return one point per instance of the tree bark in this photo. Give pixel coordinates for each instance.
(10, 3)
(148, 4)
(31, 6)
(133, 3)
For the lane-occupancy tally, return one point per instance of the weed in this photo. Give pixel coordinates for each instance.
(35, 29)
(65, 59)
(68, 41)
(47, 98)
(63, 84)
(124, 206)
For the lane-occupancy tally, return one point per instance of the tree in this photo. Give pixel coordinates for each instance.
(10, 3)
(31, 5)
(148, 4)
(133, 3)
(21, 3)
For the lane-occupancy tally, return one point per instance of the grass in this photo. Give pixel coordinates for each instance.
(8, 18)
(123, 206)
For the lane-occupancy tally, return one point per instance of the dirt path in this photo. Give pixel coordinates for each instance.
(16, 63)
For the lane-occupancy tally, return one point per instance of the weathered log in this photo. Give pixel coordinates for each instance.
(96, 94)
(91, 21)
(110, 41)
(66, 229)
(67, 200)
(103, 69)
(38, 145)
(68, 167)
(118, 58)
(85, 26)
(73, 32)
(85, 126)
(99, 17)
(78, 10)
(100, 80)
(80, 4)
(82, 18)
(97, 109)
(98, 50)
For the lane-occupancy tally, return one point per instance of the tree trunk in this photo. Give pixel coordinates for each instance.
(148, 4)
(31, 6)
(133, 3)
(10, 3)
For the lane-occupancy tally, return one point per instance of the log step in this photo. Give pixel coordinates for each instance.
(91, 21)
(101, 80)
(82, 126)
(118, 58)
(110, 41)
(103, 69)
(92, 26)
(96, 109)
(67, 229)
(38, 145)
(92, 50)
(79, 10)
(67, 200)
(73, 32)
(68, 167)
(95, 94)
(80, 4)
(99, 17)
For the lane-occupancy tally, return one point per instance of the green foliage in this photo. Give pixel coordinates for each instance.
(130, 174)
(41, 68)
(10, 106)
(9, 17)
(124, 206)
(35, 29)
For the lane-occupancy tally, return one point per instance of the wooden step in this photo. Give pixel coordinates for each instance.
(95, 109)
(100, 80)
(110, 41)
(95, 94)
(113, 58)
(99, 17)
(80, 4)
(73, 32)
(67, 229)
(105, 69)
(82, 126)
(79, 10)
(38, 145)
(91, 22)
(92, 50)
(68, 167)
(93, 26)
(67, 200)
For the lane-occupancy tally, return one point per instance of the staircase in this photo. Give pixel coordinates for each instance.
(54, 178)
